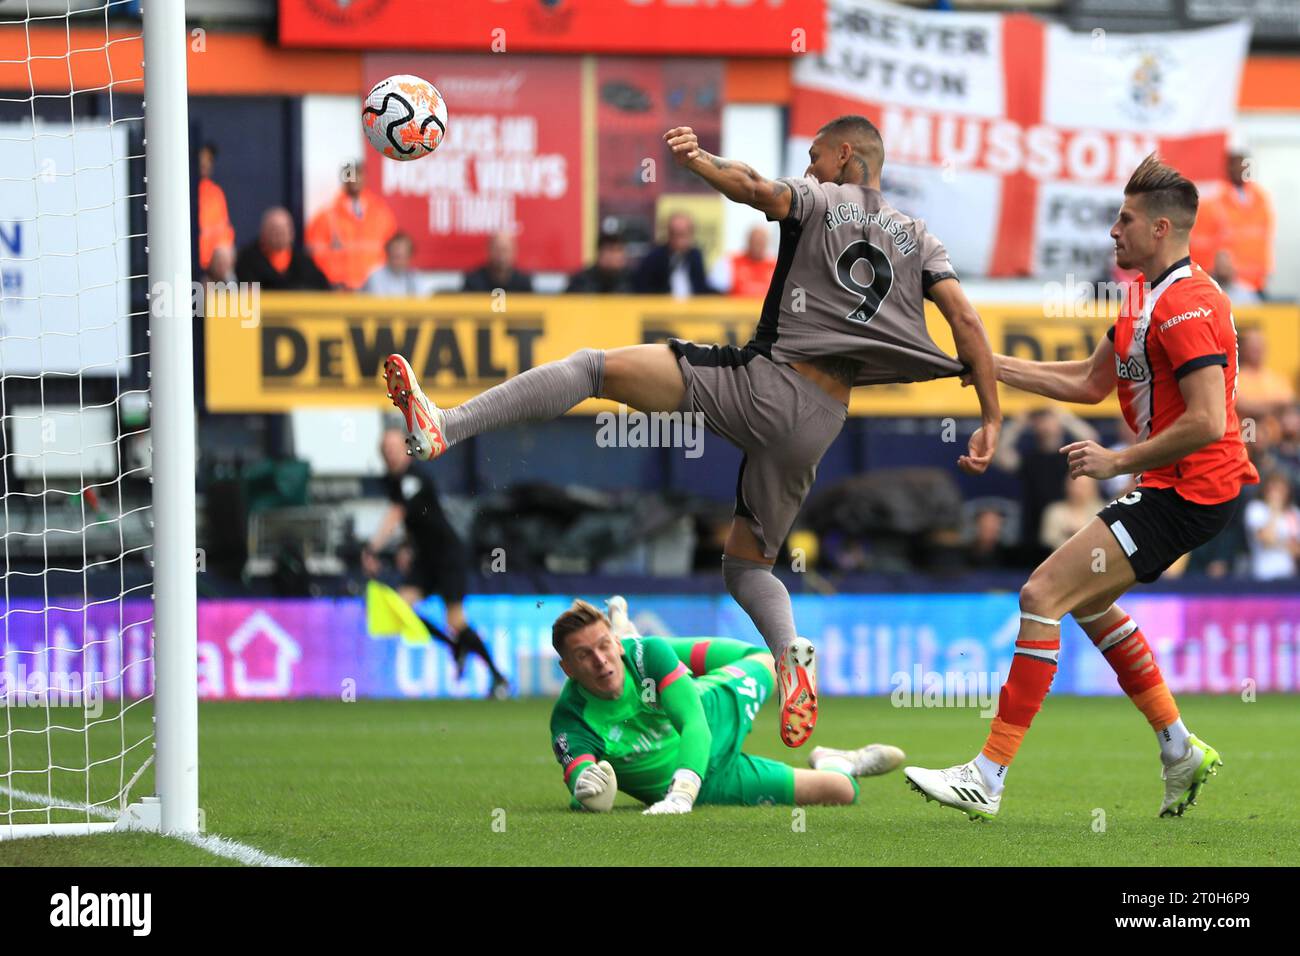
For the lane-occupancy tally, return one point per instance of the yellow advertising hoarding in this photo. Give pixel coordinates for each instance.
(327, 349)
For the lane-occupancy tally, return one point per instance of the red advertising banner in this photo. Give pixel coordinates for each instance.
(511, 161)
(709, 27)
(639, 99)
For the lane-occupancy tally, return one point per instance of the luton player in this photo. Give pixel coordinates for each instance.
(845, 308)
(664, 720)
(1172, 355)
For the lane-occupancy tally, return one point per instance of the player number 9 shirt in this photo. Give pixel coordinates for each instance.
(1182, 323)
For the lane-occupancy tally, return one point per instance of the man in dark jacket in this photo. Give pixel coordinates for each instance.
(273, 261)
(499, 271)
(676, 267)
(609, 274)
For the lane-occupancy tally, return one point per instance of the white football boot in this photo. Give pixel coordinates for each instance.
(423, 418)
(796, 679)
(961, 787)
(1186, 775)
(869, 761)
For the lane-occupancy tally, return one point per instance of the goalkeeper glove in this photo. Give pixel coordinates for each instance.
(681, 794)
(596, 787)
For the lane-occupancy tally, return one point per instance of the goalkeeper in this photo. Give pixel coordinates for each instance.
(663, 719)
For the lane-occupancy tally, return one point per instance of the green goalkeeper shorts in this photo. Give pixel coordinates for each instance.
(732, 696)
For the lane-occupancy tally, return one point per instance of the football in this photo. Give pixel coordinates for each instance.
(404, 117)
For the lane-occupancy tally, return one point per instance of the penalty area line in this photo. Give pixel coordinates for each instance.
(209, 842)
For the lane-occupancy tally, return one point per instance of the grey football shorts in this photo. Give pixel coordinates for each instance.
(781, 421)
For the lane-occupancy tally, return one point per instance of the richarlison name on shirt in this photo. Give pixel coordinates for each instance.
(850, 212)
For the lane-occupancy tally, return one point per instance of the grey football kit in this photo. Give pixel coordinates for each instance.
(847, 295)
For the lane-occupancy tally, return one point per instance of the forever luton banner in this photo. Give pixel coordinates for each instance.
(1012, 137)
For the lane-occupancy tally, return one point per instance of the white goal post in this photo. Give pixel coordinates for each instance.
(51, 781)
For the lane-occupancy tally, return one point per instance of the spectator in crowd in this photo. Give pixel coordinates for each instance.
(609, 273)
(1031, 449)
(274, 262)
(1236, 215)
(677, 266)
(747, 274)
(347, 237)
(215, 230)
(1261, 435)
(1225, 273)
(987, 550)
(1286, 453)
(1260, 390)
(221, 267)
(1273, 527)
(499, 271)
(1062, 519)
(396, 277)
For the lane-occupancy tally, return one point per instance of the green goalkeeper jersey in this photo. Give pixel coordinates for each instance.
(655, 727)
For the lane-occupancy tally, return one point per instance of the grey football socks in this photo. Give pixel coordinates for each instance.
(537, 395)
(764, 598)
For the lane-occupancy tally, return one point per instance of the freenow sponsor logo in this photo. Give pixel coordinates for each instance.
(74, 909)
(1184, 316)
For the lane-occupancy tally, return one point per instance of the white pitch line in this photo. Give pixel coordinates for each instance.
(233, 850)
(216, 845)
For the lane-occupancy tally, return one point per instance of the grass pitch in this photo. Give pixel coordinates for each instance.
(473, 782)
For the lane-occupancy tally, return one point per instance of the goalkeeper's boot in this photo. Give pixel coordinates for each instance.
(869, 761)
(1186, 775)
(423, 418)
(961, 787)
(796, 678)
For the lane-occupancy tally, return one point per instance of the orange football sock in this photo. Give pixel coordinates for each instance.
(1157, 706)
(1032, 669)
(1004, 741)
(1125, 648)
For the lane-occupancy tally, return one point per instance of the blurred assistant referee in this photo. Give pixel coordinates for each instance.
(431, 560)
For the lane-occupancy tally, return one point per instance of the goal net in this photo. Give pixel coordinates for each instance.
(97, 696)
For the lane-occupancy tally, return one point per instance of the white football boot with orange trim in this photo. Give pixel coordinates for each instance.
(423, 418)
(796, 679)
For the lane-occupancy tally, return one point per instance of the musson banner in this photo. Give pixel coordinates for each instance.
(1013, 137)
(327, 349)
(903, 645)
